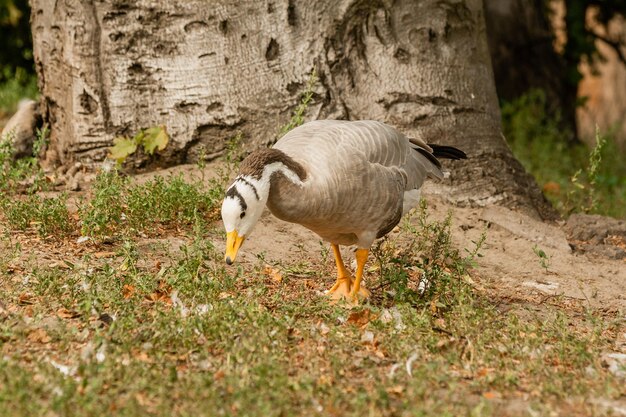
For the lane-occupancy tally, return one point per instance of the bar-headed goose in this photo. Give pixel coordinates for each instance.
(349, 182)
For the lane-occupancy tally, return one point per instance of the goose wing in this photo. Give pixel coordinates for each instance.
(326, 145)
(358, 173)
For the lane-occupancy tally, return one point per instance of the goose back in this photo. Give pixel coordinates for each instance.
(356, 177)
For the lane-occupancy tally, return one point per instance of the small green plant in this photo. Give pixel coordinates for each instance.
(117, 206)
(426, 268)
(102, 214)
(201, 161)
(18, 213)
(53, 217)
(171, 200)
(584, 195)
(544, 259)
(49, 216)
(151, 139)
(298, 115)
(573, 177)
(24, 174)
(232, 157)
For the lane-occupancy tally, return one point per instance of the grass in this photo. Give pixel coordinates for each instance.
(155, 332)
(133, 326)
(113, 208)
(574, 177)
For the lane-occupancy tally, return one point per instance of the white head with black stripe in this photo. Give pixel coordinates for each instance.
(246, 197)
(242, 207)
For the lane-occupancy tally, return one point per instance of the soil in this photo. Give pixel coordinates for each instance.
(508, 263)
(584, 272)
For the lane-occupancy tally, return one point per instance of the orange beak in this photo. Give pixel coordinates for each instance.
(233, 243)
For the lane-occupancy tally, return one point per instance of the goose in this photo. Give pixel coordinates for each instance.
(350, 182)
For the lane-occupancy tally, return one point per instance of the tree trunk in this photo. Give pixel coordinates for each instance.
(206, 72)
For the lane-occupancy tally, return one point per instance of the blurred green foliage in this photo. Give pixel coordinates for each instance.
(17, 46)
(17, 73)
(574, 178)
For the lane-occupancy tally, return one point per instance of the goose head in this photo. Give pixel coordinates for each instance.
(247, 196)
(242, 207)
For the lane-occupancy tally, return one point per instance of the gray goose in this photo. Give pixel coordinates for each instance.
(348, 181)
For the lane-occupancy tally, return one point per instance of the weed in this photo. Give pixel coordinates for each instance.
(233, 155)
(168, 200)
(573, 178)
(49, 216)
(23, 174)
(151, 139)
(18, 213)
(298, 116)
(544, 259)
(425, 268)
(102, 214)
(53, 217)
(201, 161)
(584, 194)
(118, 206)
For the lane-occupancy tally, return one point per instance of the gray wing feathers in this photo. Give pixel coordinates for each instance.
(341, 142)
(359, 173)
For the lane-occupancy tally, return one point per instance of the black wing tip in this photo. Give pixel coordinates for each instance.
(447, 152)
(431, 157)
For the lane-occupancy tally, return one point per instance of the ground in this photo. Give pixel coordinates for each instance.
(155, 323)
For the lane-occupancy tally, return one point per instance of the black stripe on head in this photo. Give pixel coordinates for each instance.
(245, 181)
(234, 193)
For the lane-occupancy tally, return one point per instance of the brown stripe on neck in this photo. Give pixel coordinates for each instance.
(255, 163)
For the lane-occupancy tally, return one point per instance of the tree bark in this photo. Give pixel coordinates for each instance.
(206, 72)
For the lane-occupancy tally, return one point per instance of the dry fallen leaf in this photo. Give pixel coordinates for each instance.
(396, 389)
(25, 299)
(362, 317)
(141, 356)
(64, 313)
(38, 336)
(100, 255)
(128, 291)
(490, 395)
(60, 264)
(162, 293)
(273, 273)
(552, 187)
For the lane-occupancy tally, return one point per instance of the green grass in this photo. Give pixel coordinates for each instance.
(128, 326)
(47, 215)
(122, 337)
(574, 178)
(113, 208)
(118, 207)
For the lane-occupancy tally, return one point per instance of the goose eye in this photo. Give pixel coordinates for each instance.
(243, 213)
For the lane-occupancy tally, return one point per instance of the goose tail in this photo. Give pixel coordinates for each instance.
(447, 152)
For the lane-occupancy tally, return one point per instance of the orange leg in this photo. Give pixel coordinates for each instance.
(341, 288)
(357, 290)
